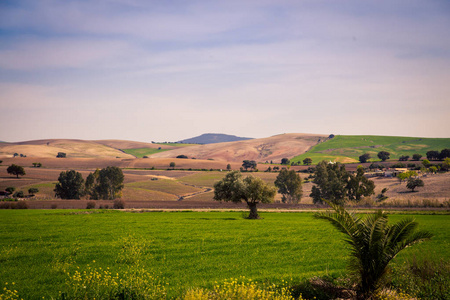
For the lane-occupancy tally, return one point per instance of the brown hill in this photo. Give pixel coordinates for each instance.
(51, 147)
(266, 149)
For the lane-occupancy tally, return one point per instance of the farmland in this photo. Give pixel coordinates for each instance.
(183, 249)
(347, 149)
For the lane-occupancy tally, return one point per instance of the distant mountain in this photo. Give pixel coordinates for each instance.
(213, 138)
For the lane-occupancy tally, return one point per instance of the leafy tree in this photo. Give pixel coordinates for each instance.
(16, 170)
(70, 185)
(172, 165)
(414, 182)
(251, 189)
(383, 155)
(364, 158)
(331, 183)
(433, 169)
(307, 161)
(416, 157)
(285, 161)
(289, 184)
(61, 155)
(373, 243)
(229, 167)
(403, 158)
(433, 155)
(249, 164)
(15, 154)
(358, 186)
(10, 189)
(182, 156)
(406, 175)
(331, 136)
(426, 163)
(33, 191)
(89, 185)
(1, 161)
(109, 184)
(443, 155)
(19, 194)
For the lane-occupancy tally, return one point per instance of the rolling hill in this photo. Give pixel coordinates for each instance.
(261, 150)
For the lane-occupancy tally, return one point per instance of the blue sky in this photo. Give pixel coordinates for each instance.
(169, 70)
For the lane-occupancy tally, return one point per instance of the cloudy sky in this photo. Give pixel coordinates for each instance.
(169, 70)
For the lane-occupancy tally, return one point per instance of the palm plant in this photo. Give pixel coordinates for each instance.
(374, 243)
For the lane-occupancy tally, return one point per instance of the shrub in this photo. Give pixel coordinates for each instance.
(119, 204)
(20, 205)
(90, 205)
(54, 206)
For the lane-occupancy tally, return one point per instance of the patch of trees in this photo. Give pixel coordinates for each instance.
(285, 161)
(251, 190)
(364, 158)
(383, 155)
(182, 156)
(289, 184)
(403, 158)
(61, 155)
(416, 157)
(37, 165)
(17, 154)
(249, 164)
(16, 170)
(436, 155)
(307, 161)
(335, 184)
(105, 184)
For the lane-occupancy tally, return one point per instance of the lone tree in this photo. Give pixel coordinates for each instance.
(373, 244)
(108, 183)
(249, 164)
(414, 182)
(403, 158)
(70, 185)
(307, 161)
(33, 191)
(383, 155)
(61, 155)
(229, 167)
(172, 165)
(252, 190)
(10, 189)
(16, 170)
(364, 158)
(289, 184)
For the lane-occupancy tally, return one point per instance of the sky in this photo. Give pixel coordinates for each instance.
(171, 70)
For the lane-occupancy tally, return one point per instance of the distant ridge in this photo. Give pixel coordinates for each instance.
(213, 138)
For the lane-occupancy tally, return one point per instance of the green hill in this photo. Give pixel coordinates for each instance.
(347, 148)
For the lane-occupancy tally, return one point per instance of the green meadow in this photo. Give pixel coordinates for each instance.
(347, 148)
(141, 152)
(41, 249)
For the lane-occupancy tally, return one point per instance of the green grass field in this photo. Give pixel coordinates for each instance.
(184, 249)
(141, 152)
(347, 148)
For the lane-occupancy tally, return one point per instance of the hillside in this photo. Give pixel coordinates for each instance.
(50, 148)
(347, 148)
(213, 138)
(261, 150)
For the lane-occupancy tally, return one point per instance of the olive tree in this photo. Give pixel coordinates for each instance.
(251, 190)
(383, 155)
(108, 183)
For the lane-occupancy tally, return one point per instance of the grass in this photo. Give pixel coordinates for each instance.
(141, 152)
(347, 148)
(184, 249)
(165, 186)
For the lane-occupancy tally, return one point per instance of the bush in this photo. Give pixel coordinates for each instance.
(398, 165)
(119, 204)
(54, 206)
(20, 205)
(90, 205)
(19, 194)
